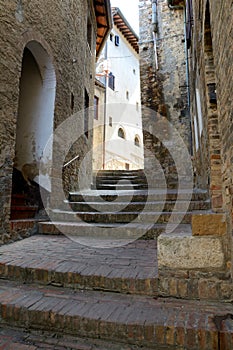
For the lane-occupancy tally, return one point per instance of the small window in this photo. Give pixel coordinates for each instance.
(121, 133)
(96, 107)
(111, 37)
(137, 141)
(127, 95)
(86, 113)
(126, 166)
(134, 71)
(72, 101)
(89, 33)
(137, 106)
(111, 81)
(117, 40)
(110, 121)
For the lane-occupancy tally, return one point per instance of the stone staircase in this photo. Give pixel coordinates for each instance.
(121, 202)
(109, 298)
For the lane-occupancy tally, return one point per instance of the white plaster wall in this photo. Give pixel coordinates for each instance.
(98, 130)
(35, 116)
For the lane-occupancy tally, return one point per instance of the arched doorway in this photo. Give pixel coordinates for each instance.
(34, 127)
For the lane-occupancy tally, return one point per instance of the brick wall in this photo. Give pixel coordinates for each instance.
(60, 28)
(211, 71)
(211, 75)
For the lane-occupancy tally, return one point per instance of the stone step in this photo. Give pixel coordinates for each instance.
(131, 320)
(57, 260)
(23, 212)
(18, 199)
(120, 180)
(122, 217)
(121, 186)
(108, 234)
(137, 195)
(136, 206)
(138, 172)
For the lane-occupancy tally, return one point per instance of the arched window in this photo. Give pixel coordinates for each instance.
(137, 141)
(121, 133)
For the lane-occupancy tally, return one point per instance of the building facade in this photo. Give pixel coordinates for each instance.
(186, 83)
(118, 69)
(44, 49)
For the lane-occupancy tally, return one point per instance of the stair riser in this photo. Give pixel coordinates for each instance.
(149, 232)
(81, 326)
(121, 187)
(138, 197)
(121, 218)
(78, 281)
(137, 207)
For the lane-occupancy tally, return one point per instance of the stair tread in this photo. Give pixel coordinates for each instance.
(63, 258)
(76, 310)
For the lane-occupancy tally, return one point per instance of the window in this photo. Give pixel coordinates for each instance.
(127, 95)
(117, 40)
(110, 121)
(137, 141)
(126, 166)
(111, 81)
(89, 33)
(86, 113)
(72, 101)
(96, 107)
(121, 133)
(111, 36)
(134, 71)
(137, 106)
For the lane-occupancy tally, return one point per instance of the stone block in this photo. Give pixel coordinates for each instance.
(209, 224)
(184, 251)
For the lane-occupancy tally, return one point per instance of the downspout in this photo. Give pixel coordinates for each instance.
(105, 106)
(155, 29)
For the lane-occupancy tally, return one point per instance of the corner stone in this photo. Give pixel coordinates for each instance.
(209, 224)
(183, 251)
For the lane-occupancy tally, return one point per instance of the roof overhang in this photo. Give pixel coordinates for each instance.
(124, 27)
(103, 21)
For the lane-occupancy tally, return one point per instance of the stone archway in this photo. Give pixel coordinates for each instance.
(35, 119)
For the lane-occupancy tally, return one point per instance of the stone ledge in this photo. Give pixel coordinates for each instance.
(209, 224)
(184, 251)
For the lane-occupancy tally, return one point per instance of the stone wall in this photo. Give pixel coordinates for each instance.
(60, 28)
(163, 82)
(211, 74)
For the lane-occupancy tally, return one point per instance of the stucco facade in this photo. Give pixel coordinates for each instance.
(123, 100)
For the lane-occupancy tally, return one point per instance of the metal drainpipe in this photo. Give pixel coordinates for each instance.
(105, 106)
(155, 29)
